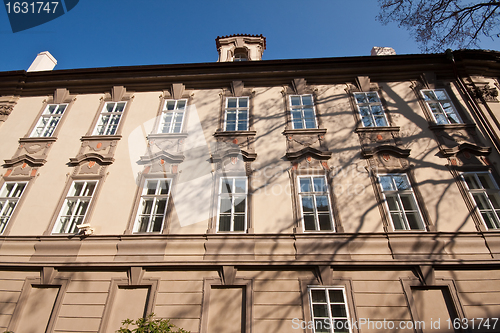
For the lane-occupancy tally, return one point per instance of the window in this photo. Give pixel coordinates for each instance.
(48, 120)
(232, 204)
(236, 114)
(400, 202)
(172, 116)
(440, 106)
(75, 207)
(109, 118)
(153, 205)
(485, 193)
(315, 204)
(370, 109)
(9, 196)
(240, 54)
(303, 115)
(329, 310)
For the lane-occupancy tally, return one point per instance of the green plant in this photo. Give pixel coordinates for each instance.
(150, 324)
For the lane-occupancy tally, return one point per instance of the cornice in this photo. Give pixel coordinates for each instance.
(253, 73)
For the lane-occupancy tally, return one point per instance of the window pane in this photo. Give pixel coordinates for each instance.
(243, 102)
(321, 325)
(338, 310)
(319, 184)
(158, 221)
(225, 205)
(239, 205)
(413, 221)
(486, 181)
(307, 100)
(380, 121)
(386, 183)
(120, 107)
(164, 187)
(305, 184)
(309, 224)
(397, 221)
(361, 98)
(336, 296)
(161, 205)
(307, 204)
(320, 310)
(408, 202)
(226, 185)
(231, 102)
(181, 105)
(295, 100)
(322, 203)
(401, 182)
(367, 121)
(239, 223)
(324, 222)
(151, 187)
(392, 202)
(481, 201)
(490, 220)
(440, 94)
(318, 296)
(428, 95)
(373, 97)
(225, 223)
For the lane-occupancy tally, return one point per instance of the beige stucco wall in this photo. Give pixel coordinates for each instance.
(270, 181)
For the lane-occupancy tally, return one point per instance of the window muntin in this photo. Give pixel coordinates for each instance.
(400, 202)
(485, 193)
(315, 204)
(329, 310)
(109, 118)
(75, 207)
(302, 110)
(48, 121)
(153, 205)
(236, 114)
(370, 109)
(172, 116)
(232, 204)
(10, 193)
(440, 105)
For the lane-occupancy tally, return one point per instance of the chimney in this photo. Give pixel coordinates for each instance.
(44, 61)
(378, 51)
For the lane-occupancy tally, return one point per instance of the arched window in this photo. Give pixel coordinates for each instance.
(240, 54)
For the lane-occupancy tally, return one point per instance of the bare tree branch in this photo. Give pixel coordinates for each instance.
(440, 24)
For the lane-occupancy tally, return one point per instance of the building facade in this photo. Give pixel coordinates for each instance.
(356, 194)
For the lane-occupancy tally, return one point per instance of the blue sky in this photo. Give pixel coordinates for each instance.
(101, 33)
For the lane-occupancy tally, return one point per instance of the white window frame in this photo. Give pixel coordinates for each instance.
(81, 202)
(401, 210)
(445, 117)
(234, 197)
(104, 125)
(329, 319)
(8, 202)
(168, 127)
(239, 111)
(299, 108)
(488, 194)
(48, 121)
(314, 194)
(153, 213)
(370, 114)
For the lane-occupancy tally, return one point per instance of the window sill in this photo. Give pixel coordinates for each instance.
(436, 127)
(377, 129)
(307, 131)
(167, 136)
(100, 137)
(38, 139)
(235, 133)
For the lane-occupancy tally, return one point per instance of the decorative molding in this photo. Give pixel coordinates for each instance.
(7, 104)
(308, 151)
